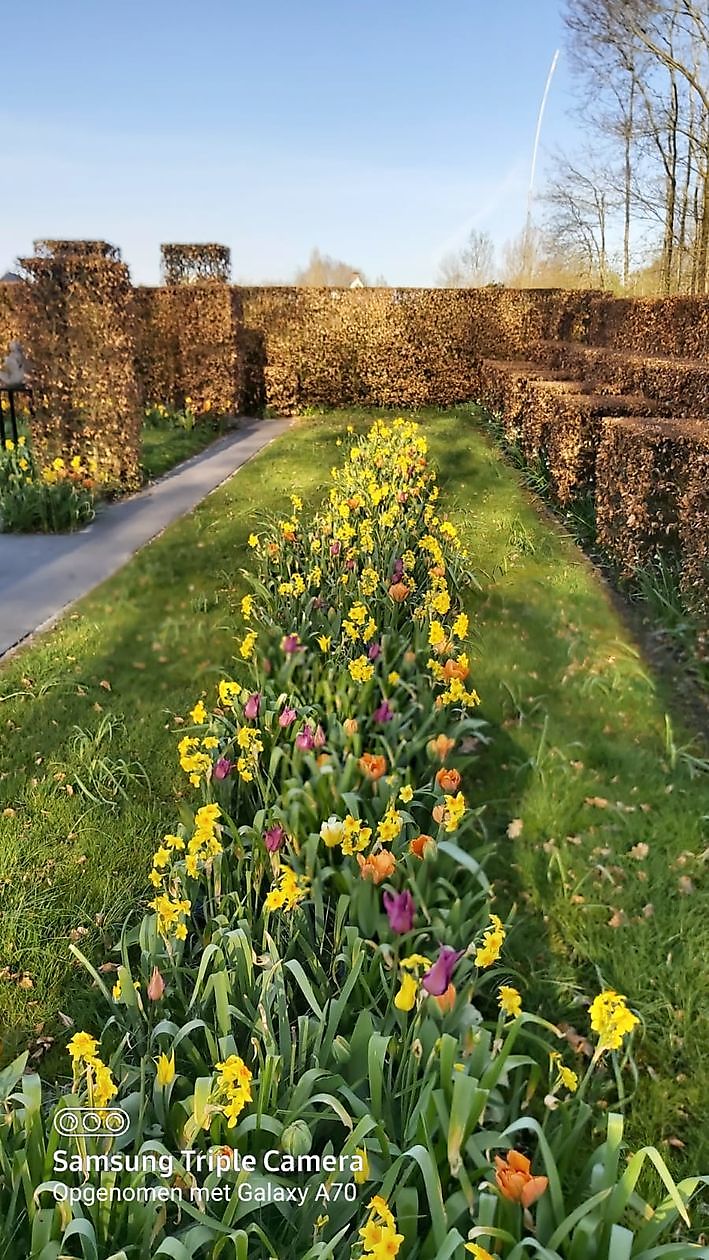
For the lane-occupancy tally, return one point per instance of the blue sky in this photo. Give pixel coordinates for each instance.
(379, 130)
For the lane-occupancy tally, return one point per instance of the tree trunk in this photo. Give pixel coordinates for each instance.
(627, 185)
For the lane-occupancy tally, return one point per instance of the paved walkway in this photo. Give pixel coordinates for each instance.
(41, 574)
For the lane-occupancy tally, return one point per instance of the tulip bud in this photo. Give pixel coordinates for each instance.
(296, 1139)
(156, 986)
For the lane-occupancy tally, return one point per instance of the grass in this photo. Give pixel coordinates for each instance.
(589, 769)
(164, 445)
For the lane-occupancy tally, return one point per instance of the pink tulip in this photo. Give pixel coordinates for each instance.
(305, 739)
(274, 837)
(400, 910)
(252, 706)
(384, 712)
(436, 980)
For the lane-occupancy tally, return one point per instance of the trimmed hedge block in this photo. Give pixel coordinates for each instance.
(651, 493)
(188, 346)
(564, 428)
(12, 296)
(659, 326)
(505, 390)
(77, 330)
(393, 347)
(681, 386)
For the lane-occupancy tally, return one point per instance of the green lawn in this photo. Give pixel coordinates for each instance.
(165, 445)
(607, 869)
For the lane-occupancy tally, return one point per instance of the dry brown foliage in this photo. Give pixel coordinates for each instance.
(76, 327)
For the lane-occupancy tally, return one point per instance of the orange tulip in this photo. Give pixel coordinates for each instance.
(448, 780)
(454, 669)
(440, 747)
(421, 846)
(446, 1001)
(399, 591)
(373, 765)
(377, 866)
(156, 986)
(515, 1181)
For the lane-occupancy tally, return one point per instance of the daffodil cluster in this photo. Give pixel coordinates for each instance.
(87, 1064)
(380, 1239)
(611, 1020)
(232, 1090)
(288, 892)
(49, 497)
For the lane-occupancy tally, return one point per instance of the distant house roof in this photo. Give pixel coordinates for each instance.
(10, 277)
(356, 281)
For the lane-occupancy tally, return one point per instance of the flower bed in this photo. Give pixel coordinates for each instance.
(51, 499)
(318, 985)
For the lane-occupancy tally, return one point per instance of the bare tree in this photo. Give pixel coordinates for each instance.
(643, 73)
(323, 271)
(609, 68)
(581, 199)
(676, 35)
(471, 266)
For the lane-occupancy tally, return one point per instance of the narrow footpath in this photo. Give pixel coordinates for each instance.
(42, 574)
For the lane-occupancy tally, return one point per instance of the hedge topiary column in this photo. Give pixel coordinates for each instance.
(79, 339)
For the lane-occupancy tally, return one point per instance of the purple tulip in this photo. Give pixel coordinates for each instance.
(222, 768)
(436, 980)
(274, 837)
(384, 712)
(305, 739)
(398, 571)
(400, 910)
(287, 717)
(373, 651)
(335, 547)
(252, 706)
(318, 737)
(290, 644)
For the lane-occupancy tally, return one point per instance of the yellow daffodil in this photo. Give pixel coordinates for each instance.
(198, 714)
(165, 1074)
(509, 1000)
(611, 1019)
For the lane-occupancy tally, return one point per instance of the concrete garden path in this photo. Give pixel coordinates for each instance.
(41, 574)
